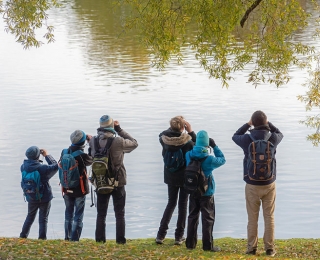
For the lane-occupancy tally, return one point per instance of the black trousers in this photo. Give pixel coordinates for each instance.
(205, 205)
(119, 201)
(173, 193)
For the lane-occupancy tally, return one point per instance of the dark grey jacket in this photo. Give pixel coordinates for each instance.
(123, 143)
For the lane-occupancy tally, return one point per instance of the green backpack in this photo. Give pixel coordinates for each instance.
(103, 177)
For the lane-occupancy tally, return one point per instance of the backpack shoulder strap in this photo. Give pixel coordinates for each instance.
(65, 151)
(96, 144)
(76, 153)
(108, 145)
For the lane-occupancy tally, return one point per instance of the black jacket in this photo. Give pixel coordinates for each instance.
(259, 133)
(172, 140)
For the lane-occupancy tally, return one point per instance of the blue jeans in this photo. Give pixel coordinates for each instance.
(119, 202)
(44, 209)
(173, 192)
(73, 217)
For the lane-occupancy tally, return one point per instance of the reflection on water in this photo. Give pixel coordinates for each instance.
(89, 71)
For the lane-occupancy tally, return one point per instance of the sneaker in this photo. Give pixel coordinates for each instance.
(215, 249)
(179, 241)
(271, 252)
(252, 252)
(159, 241)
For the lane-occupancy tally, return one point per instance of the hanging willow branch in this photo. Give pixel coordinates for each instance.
(251, 8)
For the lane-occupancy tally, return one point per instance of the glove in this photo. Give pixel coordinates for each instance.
(117, 128)
(212, 143)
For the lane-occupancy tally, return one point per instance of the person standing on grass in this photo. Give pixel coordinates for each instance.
(43, 203)
(75, 198)
(262, 189)
(203, 203)
(122, 143)
(175, 141)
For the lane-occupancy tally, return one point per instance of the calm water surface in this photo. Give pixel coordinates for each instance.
(89, 71)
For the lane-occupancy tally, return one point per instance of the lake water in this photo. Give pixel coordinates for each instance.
(89, 71)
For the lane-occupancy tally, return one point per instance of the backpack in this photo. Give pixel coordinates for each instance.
(68, 169)
(103, 177)
(31, 185)
(260, 163)
(194, 178)
(173, 159)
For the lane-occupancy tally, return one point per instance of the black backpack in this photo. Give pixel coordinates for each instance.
(194, 178)
(261, 159)
(173, 159)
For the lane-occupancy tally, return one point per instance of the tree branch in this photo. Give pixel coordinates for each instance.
(251, 8)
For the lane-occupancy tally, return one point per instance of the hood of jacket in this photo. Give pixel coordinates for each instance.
(199, 152)
(31, 165)
(105, 134)
(260, 133)
(173, 138)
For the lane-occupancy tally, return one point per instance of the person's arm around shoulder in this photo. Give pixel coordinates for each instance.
(52, 167)
(276, 136)
(129, 143)
(218, 159)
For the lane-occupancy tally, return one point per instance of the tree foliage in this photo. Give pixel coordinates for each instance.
(23, 17)
(234, 35)
(256, 36)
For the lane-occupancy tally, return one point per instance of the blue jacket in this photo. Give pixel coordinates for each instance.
(208, 165)
(259, 133)
(46, 173)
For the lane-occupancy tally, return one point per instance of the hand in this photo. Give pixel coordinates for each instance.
(250, 122)
(187, 126)
(88, 137)
(116, 123)
(212, 143)
(44, 152)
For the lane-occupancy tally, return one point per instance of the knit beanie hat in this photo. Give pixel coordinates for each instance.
(202, 138)
(33, 153)
(106, 122)
(78, 137)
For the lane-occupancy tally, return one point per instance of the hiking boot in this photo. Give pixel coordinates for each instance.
(159, 241)
(270, 252)
(252, 252)
(179, 242)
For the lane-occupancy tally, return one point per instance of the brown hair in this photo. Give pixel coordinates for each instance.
(258, 118)
(177, 123)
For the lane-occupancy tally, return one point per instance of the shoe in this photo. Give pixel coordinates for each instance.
(179, 241)
(159, 241)
(252, 252)
(215, 249)
(271, 252)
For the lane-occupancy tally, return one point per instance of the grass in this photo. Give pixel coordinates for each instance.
(135, 249)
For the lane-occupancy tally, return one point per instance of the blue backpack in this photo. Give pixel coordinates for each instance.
(31, 185)
(68, 169)
(261, 159)
(173, 160)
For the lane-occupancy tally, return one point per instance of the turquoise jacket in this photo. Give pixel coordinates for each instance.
(209, 164)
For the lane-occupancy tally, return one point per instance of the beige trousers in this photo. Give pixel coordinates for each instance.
(255, 195)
